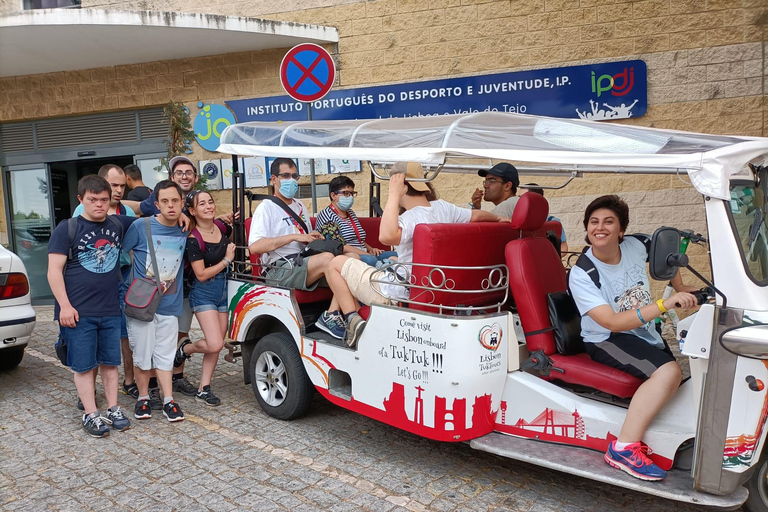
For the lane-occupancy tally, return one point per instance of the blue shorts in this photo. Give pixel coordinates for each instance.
(210, 295)
(94, 341)
(371, 260)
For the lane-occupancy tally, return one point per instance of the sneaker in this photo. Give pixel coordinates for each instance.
(183, 386)
(207, 396)
(180, 356)
(155, 403)
(117, 420)
(95, 426)
(332, 323)
(142, 411)
(172, 411)
(634, 461)
(131, 390)
(355, 326)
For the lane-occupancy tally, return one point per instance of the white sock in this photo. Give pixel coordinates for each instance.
(167, 400)
(620, 446)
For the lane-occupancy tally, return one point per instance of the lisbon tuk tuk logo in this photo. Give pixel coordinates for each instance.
(490, 336)
(619, 84)
(210, 123)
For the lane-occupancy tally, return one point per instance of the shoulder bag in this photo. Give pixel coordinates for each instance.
(144, 294)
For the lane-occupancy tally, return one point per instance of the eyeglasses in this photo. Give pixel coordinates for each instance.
(288, 176)
(347, 193)
(183, 174)
(489, 181)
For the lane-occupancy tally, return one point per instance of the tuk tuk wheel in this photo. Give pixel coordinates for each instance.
(280, 383)
(758, 488)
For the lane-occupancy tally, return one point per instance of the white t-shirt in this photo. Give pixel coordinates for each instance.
(623, 287)
(506, 207)
(271, 221)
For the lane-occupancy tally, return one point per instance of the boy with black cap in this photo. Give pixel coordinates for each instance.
(500, 186)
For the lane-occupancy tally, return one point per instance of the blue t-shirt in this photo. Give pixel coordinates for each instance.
(125, 258)
(92, 275)
(148, 207)
(562, 231)
(169, 244)
(623, 287)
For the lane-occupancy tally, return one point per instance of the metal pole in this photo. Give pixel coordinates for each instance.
(313, 185)
(238, 201)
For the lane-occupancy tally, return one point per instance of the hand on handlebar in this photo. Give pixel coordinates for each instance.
(681, 300)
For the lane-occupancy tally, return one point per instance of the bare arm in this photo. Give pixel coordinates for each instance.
(264, 245)
(133, 205)
(679, 286)
(203, 273)
(483, 216)
(628, 320)
(68, 316)
(390, 231)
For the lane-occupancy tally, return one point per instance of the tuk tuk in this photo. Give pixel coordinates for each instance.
(471, 356)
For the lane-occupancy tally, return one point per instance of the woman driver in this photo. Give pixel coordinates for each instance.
(618, 327)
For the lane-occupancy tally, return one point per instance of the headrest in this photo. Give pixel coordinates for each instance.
(530, 212)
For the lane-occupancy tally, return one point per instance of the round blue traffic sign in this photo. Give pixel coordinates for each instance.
(307, 72)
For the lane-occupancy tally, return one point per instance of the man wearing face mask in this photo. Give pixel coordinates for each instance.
(339, 222)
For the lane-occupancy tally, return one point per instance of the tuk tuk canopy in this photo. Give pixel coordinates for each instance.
(565, 145)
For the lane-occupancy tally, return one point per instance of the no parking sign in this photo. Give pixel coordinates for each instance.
(307, 72)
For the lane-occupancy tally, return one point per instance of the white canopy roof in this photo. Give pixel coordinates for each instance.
(560, 144)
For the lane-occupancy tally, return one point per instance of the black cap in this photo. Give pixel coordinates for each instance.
(505, 171)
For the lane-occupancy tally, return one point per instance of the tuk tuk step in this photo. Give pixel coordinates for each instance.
(678, 485)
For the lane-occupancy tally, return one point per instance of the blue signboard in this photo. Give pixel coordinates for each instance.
(614, 90)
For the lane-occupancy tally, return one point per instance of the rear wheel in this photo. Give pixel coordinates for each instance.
(11, 357)
(280, 383)
(758, 488)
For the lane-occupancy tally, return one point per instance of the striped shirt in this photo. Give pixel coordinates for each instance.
(328, 218)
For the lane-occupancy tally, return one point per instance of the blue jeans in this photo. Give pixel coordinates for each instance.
(93, 341)
(371, 260)
(209, 295)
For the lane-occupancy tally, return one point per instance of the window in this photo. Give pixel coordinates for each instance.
(305, 191)
(748, 211)
(51, 4)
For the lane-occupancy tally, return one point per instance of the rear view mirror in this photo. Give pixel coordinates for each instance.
(664, 256)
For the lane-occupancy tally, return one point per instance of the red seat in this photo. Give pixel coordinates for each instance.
(536, 270)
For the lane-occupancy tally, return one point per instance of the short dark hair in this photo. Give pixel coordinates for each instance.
(274, 168)
(162, 185)
(94, 184)
(338, 183)
(430, 194)
(534, 187)
(104, 169)
(132, 171)
(609, 202)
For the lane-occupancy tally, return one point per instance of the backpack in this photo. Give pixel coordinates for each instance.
(189, 274)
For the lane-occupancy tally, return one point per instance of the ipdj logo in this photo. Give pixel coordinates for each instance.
(209, 123)
(619, 84)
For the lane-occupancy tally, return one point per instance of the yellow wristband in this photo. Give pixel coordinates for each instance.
(660, 303)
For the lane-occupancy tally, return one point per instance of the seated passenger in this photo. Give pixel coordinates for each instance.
(279, 238)
(533, 187)
(499, 187)
(339, 222)
(421, 206)
(618, 328)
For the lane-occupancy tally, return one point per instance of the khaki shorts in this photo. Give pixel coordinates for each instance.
(357, 275)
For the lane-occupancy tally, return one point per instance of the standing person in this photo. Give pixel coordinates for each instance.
(617, 324)
(339, 222)
(139, 191)
(208, 294)
(116, 178)
(88, 315)
(499, 187)
(154, 343)
(534, 187)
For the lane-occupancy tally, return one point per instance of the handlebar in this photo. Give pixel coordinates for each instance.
(702, 296)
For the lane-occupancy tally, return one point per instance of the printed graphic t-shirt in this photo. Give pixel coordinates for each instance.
(623, 287)
(169, 244)
(92, 275)
(125, 258)
(271, 221)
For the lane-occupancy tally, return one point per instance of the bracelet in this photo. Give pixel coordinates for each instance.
(660, 303)
(471, 206)
(228, 262)
(640, 316)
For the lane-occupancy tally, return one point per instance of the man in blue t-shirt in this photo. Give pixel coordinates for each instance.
(89, 315)
(154, 343)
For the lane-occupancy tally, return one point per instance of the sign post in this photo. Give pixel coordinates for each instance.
(307, 73)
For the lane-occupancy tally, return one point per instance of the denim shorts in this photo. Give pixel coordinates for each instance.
(93, 341)
(209, 295)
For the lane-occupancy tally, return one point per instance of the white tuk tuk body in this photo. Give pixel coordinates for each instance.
(454, 374)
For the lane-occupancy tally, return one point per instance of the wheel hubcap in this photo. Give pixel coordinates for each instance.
(271, 379)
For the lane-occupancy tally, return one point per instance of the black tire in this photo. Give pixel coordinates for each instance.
(11, 357)
(279, 380)
(758, 488)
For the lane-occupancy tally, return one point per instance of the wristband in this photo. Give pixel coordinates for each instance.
(228, 263)
(471, 206)
(640, 316)
(660, 303)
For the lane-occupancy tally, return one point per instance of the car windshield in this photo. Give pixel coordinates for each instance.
(748, 210)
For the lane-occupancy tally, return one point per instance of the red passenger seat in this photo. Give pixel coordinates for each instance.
(536, 270)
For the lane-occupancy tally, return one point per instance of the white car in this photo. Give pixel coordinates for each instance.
(17, 317)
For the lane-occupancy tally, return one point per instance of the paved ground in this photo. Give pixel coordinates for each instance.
(234, 457)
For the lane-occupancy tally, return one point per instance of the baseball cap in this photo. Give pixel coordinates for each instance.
(180, 160)
(411, 170)
(505, 171)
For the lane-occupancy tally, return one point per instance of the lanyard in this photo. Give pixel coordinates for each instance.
(350, 221)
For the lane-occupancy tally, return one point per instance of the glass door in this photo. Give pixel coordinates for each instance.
(148, 163)
(31, 222)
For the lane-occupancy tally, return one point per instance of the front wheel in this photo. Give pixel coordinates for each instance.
(758, 489)
(11, 357)
(280, 383)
